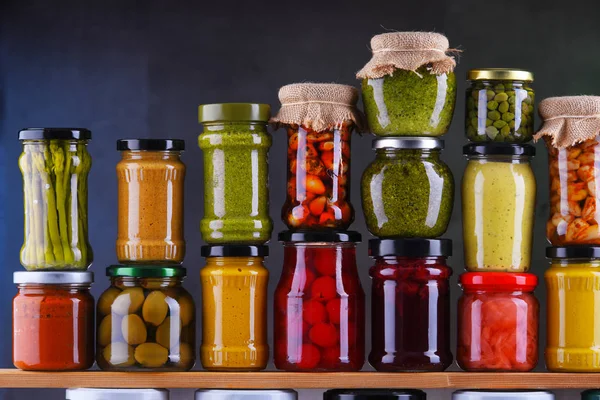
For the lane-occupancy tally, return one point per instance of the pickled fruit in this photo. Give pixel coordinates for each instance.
(151, 355)
(128, 301)
(118, 354)
(318, 179)
(319, 311)
(155, 308)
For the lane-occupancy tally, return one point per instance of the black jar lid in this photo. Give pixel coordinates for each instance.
(55, 134)
(498, 149)
(379, 394)
(145, 271)
(410, 247)
(234, 251)
(319, 237)
(573, 252)
(151, 144)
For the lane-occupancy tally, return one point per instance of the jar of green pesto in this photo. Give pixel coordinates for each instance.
(409, 87)
(407, 191)
(235, 143)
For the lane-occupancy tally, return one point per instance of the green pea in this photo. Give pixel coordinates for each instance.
(499, 88)
(528, 100)
(494, 115)
(503, 107)
(470, 103)
(491, 131)
(512, 100)
(492, 105)
(524, 108)
(510, 92)
(475, 94)
(490, 94)
(500, 124)
(500, 97)
(505, 131)
(488, 122)
(511, 124)
(474, 122)
(472, 114)
(512, 109)
(471, 131)
(508, 116)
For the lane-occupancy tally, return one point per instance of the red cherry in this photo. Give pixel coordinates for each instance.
(310, 357)
(323, 288)
(323, 259)
(330, 358)
(305, 330)
(302, 280)
(324, 335)
(333, 310)
(314, 312)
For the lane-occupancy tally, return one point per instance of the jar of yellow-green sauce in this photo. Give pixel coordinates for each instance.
(235, 143)
(234, 308)
(573, 326)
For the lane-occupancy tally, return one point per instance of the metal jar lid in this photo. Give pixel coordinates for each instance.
(53, 277)
(374, 394)
(218, 394)
(117, 394)
(145, 271)
(500, 395)
(499, 74)
(242, 112)
(415, 143)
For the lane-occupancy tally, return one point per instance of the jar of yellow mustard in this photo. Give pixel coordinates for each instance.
(234, 308)
(573, 328)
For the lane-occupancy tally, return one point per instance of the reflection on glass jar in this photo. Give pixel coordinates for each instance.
(498, 318)
(500, 105)
(235, 143)
(498, 204)
(319, 304)
(573, 309)
(150, 190)
(410, 305)
(318, 190)
(502, 395)
(146, 321)
(407, 191)
(55, 164)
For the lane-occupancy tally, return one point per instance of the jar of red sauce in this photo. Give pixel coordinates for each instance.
(410, 303)
(498, 317)
(53, 321)
(319, 304)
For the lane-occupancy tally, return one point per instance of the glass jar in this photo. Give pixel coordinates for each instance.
(374, 394)
(592, 394)
(410, 103)
(117, 394)
(502, 395)
(234, 308)
(150, 179)
(221, 394)
(407, 191)
(574, 208)
(497, 322)
(318, 188)
(500, 105)
(573, 326)
(53, 321)
(235, 143)
(319, 304)
(498, 205)
(55, 164)
(146, 320)
(410, 305)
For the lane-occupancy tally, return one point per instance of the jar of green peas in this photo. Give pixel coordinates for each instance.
(499, 105)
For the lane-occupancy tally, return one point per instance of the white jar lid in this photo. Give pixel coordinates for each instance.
(117, 394)
(218, 394)
(496, 395)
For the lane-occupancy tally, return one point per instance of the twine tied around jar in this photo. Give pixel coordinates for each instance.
(318, 106)
(408, 51)
(569, 120)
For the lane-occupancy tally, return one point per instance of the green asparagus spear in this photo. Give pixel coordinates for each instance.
(37, 214)
(82, 170)
(58, 167)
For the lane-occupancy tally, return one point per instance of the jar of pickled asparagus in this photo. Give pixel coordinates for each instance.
(55, 164)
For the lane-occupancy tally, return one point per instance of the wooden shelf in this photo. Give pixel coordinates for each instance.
(12, 378)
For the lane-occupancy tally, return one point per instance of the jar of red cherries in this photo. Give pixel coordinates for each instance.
(319, 304)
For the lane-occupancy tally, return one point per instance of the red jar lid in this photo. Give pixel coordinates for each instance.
(501, 281)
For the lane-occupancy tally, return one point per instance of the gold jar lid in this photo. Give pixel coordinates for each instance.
(499, 74)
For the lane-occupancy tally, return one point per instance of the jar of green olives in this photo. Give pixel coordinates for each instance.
(500, 105)
(146, 320)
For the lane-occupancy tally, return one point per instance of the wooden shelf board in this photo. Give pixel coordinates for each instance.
(12, 378)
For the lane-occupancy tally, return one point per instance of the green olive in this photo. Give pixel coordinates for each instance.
(106, 333)
(500, 97)
(494, 115)
(503, 107)
(151, 355)
(129, 301)
(185, 358)
(187, 310)
(169, 333)
(119, 354)
(106, 300)
(491, 131)
(133, 329)
(155, 308)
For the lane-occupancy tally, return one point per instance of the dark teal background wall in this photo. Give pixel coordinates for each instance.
(140, 68)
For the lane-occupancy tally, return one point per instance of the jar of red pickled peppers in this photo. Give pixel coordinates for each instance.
(498, 318)
(319, 304)
(319, 119)
(410, 303)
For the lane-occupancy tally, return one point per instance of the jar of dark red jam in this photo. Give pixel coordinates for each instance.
(53, 321)
(319, 304)
(410, 303)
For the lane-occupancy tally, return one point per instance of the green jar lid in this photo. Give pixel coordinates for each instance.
(145, 271)
(592, 394)
(220, 112)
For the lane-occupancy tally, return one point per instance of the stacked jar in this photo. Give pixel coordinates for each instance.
(409, 94)
(571, 130)
(236, 225)
(146, 319)
(319, 309)
(53, 311)
(498, 313)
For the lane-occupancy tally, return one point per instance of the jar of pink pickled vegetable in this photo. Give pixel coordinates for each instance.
(498, 318)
